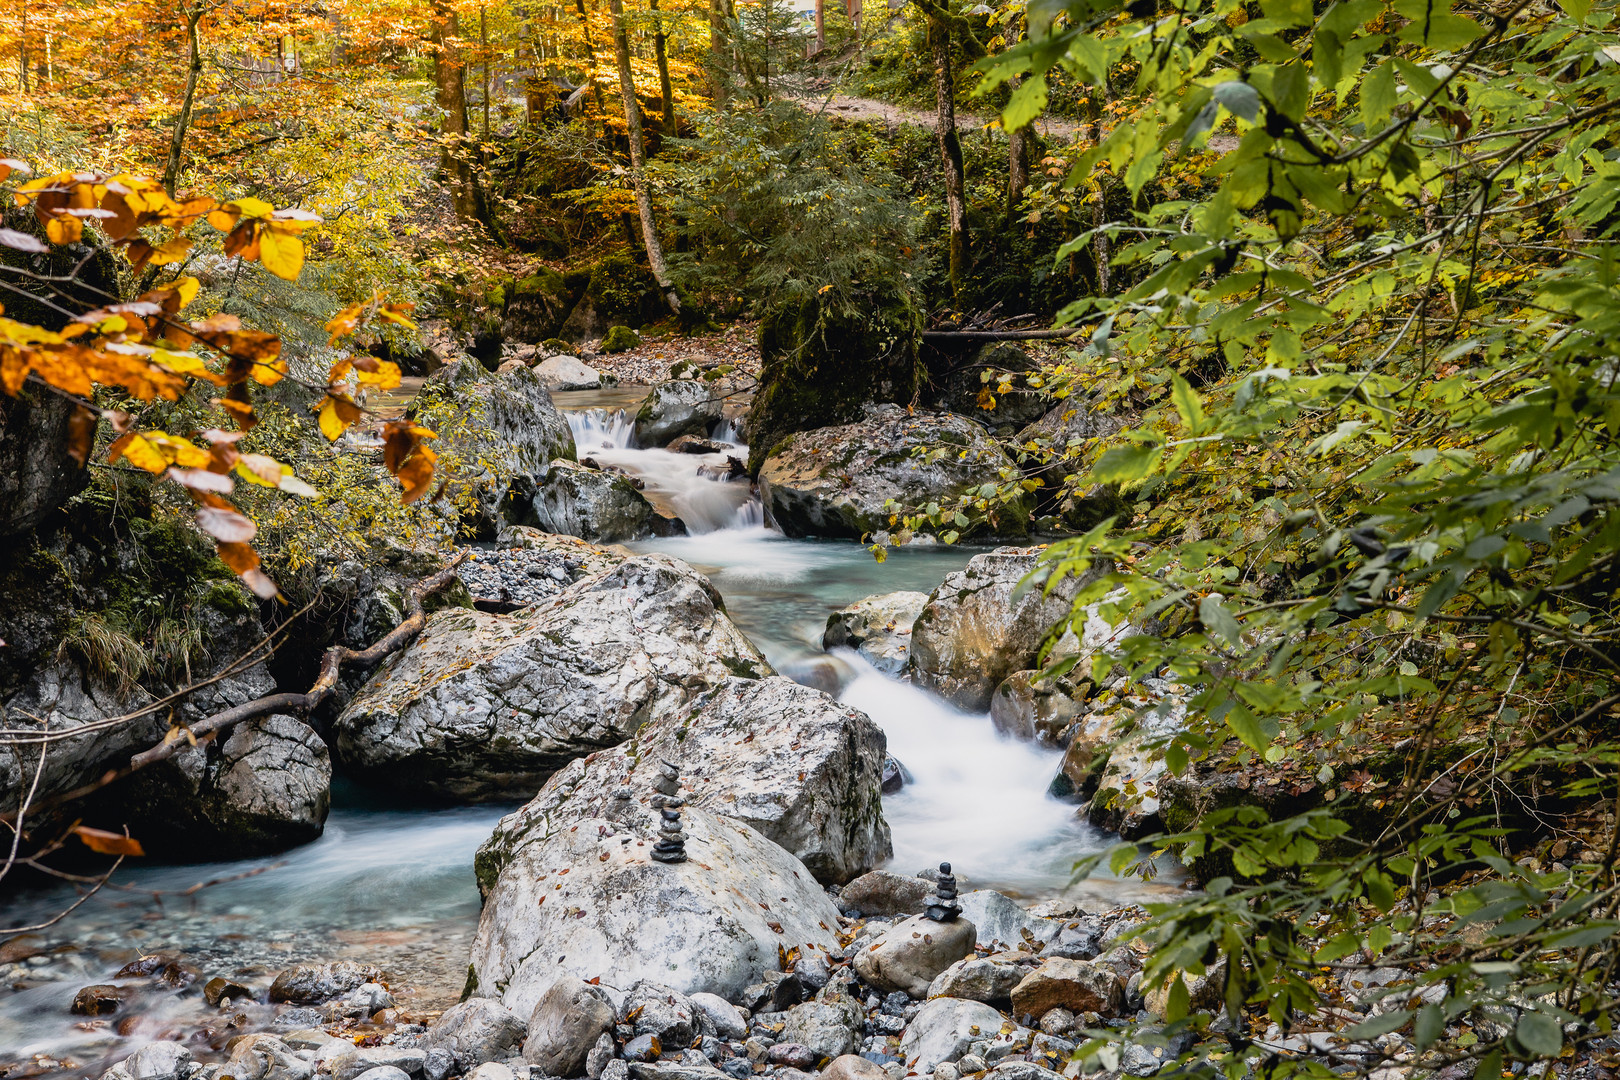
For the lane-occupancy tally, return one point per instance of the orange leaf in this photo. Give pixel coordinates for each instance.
(107, 843)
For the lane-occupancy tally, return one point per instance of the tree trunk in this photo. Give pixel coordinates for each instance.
(719, 52)
(450, 83)
(22, 50)
(950, 148)
(632, 123)
(483, 43)
(661, 51)
(171, 170)
(821, 26)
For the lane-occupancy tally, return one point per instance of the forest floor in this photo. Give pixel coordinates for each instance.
(891, 115)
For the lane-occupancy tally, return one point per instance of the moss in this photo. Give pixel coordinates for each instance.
(618, 287)
(543, 280)
(555, 346)
(495, 297)
(818, 367)
(620, 339)
(743, 669)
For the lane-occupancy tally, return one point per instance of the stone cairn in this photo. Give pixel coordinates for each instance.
(671, 846)
(942, 906)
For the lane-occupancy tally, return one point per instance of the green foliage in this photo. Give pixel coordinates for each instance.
(619, 286)
(774, 204)
(620, 339)
(1372, 458)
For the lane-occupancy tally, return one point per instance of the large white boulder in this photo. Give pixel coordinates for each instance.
(486, 706)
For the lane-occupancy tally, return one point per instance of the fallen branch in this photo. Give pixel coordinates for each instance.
(331, 663)
(1002, 335)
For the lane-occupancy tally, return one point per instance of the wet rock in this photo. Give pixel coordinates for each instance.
(103, 999)
(643, 1048)
(567, 373)
(219, 988)
(37, 474)
(883, 893)
(365, 1060)
(968, 382)
(598, 506)
(895, 775)
(157, 1061)
(266, 1057)
(990, 980)
(878, 628)
(720, 1016)
(695, 444)
(487, 706)
(829, 1027)
(1002, 923)
(1076, 985)
(1031, 709)
(475, 1031)
(712, 924)
(661, 1011)
(1125, 790)
(944, 1029)
(911, 954)
(564, 1027)
(1023, 1070)
(313, 984)
(839, 481)
(979, 627)
(855, 1067)
(792, 1055)
(675, 408)
(789, 761)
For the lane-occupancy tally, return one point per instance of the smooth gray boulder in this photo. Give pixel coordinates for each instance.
(943, 1029)
(575, 891)
(1002, 922)
(1032, 709)
(675, 408)
(158, 1061)
(848, 481)
(563, 372)
(365, 1060)
(475, 1031)
(487, 706)
(598, 506)
(911, 954)
(878, 628)
(988, 979)
(979, 626)
(564, 1027)
(882, 893)
(720, 1017)
(315, 984)
(266, 1057)
(830, 1026)
(801, 768)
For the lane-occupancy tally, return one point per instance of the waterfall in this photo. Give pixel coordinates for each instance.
(598, 429)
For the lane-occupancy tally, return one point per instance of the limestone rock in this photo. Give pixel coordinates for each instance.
(712, 924)
(313, 984)
(839, 481)
(878, 628)
(37, 474)
(943, 1029)
(1110, 752)
(853, 1067)
(475, 1031)
(364, 1060)
(567, 373)
(662, 1012)
(266, 1057)
(564, 1026)
(598, 506)
(675, 408)
(909, 955)
(487, 706)
(1031, 709)
(830, 1026)
(720, 1016)
(990, 980)
(1077, 985)
(979, 627)
(794, 764)
(157, 1061)
(883, 893)
(1003, 924)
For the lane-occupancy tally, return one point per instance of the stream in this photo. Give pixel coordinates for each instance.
(392, 884)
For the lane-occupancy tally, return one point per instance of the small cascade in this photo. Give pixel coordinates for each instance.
(700, 489)
(599, 429)
(727, 431)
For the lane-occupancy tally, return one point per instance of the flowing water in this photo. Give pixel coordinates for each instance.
(392, 884)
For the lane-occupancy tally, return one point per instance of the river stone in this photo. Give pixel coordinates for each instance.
(661, 1011)
(719, 1016)
(598, 506)
(314, 984)
(1127, 795)
(365, 1060)
(487, 706)
(882, 893)
(266, 1057)
(1077, 985)
(978, 627)
(1031, 709)
(793, 763)
(878, 628)
(384, 1072)
(475, 1031)
(675, 408)
(567, 373)
(712, 924)
(512, 422)
(943, 1029)
(157, 1061)
(101, 999)
(990, 980)
(910, 954)
(1002, 923)
(839, 481)
(564, 1026)
(829, 1026)
(1022, 1070)
(853, 1067)
(672, 1070)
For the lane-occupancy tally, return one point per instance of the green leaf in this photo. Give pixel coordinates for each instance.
(1490, 1066)
(1378, 94)
(1123, 464)
(1539, 1034)
(1027, 103)
(1382, 1024)
(1289, 12)
(1430, 1023)
(1213, 614)
(1240, 99)
(1178, 1002)
(1246, 726)
(1187, 404)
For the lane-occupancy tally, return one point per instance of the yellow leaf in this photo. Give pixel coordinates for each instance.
(332, 425)
(182, 452)
(269, 372)
(251, 208)
(64, 229)
(172, 252)
(222, 219)
(386, 377)
(139, 453)
(186, 364)
(261, 470)
(187, 287)
(280, 251)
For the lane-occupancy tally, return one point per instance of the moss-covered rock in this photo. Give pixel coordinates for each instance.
(533, 307)
(620, 339)
(818, 367)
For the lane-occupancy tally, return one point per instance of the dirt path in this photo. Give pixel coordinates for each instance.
(891, 116)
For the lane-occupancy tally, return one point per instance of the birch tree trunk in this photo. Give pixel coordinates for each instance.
(950, 148)
(632, 123)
